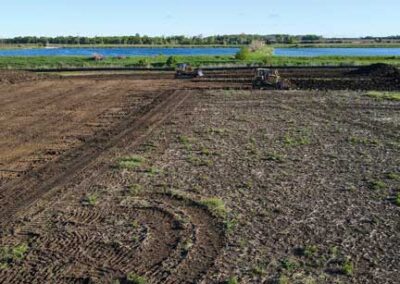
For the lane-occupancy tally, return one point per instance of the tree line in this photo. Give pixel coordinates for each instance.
(240, 39)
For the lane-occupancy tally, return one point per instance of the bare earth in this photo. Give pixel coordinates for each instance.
(265, 186)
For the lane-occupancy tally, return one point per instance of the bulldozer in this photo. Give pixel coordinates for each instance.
(265, 78)
(185, 71)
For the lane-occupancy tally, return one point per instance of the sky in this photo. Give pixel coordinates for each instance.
(330, 18)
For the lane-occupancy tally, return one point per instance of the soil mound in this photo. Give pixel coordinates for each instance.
(12, 76)
(379, 70)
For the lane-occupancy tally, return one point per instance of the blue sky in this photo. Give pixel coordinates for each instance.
(337, 18)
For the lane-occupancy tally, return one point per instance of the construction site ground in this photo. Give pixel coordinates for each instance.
(131, 176)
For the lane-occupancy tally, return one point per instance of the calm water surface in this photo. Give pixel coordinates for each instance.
(312, 52)
(134, 51)
(128, 51)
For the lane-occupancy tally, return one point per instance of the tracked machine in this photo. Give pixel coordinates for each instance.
(185, 71)
(265, 78)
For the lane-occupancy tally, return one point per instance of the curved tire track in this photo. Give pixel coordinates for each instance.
(66, 249)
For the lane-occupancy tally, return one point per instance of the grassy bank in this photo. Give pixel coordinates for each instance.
(160, 61)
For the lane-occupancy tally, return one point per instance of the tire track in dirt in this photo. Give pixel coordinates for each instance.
(176, 240)
(79, 244)
(20, 194)
(57, 130)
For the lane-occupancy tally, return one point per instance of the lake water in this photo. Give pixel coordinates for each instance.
(312, 52)
(127, 51)
(132, 51)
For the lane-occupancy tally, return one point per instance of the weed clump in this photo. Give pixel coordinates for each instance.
(347, 267)
(152, 171)
(377, 184)
(90, 199)
(298, 140)
(10, 254)
(216, 206)
(275, 157)
(135, 224)
(232, 280)
(309, 251)
(135, 189)
(393, 176)
(131, 162)
(397, 200)
(133, 278)
(198, 162)
(283, 279)
(363, 141)
(288, 264)
(185, 140)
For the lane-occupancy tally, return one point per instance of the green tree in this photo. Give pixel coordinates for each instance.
(243, 53)
(171, 61)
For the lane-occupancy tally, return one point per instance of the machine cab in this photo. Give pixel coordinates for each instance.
(263, 73)
(183, 67)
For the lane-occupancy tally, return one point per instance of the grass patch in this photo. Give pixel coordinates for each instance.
(393, 176)
(260, 57)
(275, 157)
(363, 140)
(283, 279)
(135, 224)
(230, 225)
(380, 96)
(205, 152)
(135, 189)
(198, 162)
(216, 206)
(131, 162)
(185, 140)
(347, 267)
(232, 280)
(397, 199)
(309, 251)
(90, 199)
(133, 278)
(152, 171)
(296, 141)
(289, 264)
(377, 184)
(10, 254)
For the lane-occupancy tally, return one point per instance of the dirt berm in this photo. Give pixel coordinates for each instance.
(379, 70)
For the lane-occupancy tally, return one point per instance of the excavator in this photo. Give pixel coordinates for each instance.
(265, 78)
(185, 71)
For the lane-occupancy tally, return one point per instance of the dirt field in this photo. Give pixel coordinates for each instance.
(108, 178)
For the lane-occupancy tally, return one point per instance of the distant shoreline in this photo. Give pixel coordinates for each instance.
(300, 45)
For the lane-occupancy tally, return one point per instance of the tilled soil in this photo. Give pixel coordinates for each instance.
(374, 77)
(42, 120)
(13, 77)
(264, 186)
